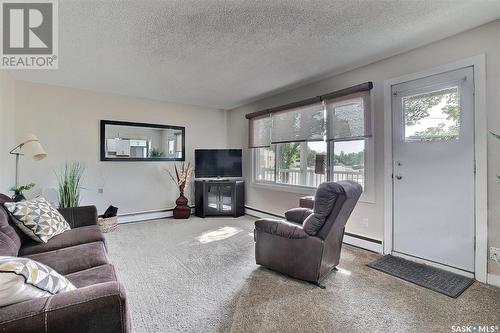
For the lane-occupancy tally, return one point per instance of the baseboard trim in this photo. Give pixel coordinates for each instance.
(349, 238)
(146, 216)
(494, 280)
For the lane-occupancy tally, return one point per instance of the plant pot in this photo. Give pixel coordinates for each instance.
(182, 210)
(18, 196)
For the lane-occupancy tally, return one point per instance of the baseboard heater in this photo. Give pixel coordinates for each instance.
(368, 239)
(360, 241)
(147, 215)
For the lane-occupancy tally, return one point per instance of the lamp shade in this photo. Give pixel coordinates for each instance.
(31, 146)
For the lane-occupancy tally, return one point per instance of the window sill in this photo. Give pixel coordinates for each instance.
(365, 197)
(285, 188)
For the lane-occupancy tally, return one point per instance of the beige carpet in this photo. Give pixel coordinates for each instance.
(199, 275)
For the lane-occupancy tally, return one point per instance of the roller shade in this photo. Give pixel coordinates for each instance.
(305, 123)
(348, 117)
(260, 131)
(340, 115)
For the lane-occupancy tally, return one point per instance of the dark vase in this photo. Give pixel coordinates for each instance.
(18, 196)
(182, 210)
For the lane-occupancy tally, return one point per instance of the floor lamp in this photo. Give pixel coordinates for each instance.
(30, 146)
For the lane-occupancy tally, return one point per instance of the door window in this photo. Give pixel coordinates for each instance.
(432, 116)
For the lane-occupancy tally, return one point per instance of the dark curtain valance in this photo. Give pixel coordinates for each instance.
(338, 116)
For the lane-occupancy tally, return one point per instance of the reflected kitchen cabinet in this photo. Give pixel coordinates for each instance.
(126, 141)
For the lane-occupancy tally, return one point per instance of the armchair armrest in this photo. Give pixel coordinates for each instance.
(98, 308)
(80, 216)
(280, 228)
(298, 215)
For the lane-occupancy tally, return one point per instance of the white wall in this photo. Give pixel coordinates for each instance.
(67, 123)
(368, 218)
(7, 105)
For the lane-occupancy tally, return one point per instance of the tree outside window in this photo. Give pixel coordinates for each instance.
(432, 116)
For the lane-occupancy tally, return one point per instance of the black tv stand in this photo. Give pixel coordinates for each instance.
(219, 197)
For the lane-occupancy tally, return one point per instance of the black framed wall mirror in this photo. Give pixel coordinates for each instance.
(126, 141)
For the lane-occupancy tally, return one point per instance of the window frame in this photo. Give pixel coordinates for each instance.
(255, 159)
(368, 195)
(303, 161)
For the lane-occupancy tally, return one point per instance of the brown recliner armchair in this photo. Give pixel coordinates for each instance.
(307, 245)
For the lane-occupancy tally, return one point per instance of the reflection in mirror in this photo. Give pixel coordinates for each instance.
(134, 141)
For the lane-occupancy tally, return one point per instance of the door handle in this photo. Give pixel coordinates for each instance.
(399, 177)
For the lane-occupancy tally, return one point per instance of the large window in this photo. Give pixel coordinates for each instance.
(305, 146)
(349, 124)
(305, 163)
(301, 163)
(265, 165)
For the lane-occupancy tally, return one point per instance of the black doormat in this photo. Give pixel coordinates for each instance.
(436, 279)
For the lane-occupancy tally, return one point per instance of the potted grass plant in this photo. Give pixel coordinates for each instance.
(69, 184)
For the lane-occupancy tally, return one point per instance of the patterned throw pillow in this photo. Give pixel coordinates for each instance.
(22, 279)
(37, 218)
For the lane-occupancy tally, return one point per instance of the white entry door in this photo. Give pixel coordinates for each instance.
(433, 169)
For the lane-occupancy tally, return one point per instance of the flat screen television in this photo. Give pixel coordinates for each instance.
(211, 163)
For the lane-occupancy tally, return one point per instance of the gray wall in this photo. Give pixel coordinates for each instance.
(7, 106)
(66, 121)
(368, 218)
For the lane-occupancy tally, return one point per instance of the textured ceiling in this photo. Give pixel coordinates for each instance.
(225, 53)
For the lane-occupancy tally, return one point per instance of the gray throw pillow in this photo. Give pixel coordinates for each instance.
(23, 279)
(37, 218)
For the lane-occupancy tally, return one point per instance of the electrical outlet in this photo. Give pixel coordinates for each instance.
(365, 222)
(100, 190)
(493, 251)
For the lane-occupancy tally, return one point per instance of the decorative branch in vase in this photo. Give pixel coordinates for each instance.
(181, 177)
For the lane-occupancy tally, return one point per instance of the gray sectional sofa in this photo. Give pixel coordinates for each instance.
(98, 304)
